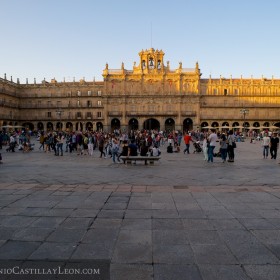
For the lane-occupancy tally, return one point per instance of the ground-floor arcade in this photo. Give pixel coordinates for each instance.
(134, 123)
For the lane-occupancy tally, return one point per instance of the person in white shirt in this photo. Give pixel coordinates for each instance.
(213, 139)
(266, 144)
(155, 151)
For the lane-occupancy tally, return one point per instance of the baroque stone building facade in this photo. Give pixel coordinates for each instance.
(150, 96)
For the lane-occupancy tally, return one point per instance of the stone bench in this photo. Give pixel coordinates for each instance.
(129, 159)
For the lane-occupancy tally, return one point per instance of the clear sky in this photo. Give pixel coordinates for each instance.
(66, 38)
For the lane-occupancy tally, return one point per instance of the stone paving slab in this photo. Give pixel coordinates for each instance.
(178, 219)
(154, 243)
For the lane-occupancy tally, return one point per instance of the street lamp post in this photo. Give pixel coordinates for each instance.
(244, 112)
(59, 113)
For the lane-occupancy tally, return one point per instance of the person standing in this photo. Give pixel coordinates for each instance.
(205, 148)
(132, 149)
(266, 144)
(115, 149)
(60, 141)
(223, 147)
(213, 139)
(42, 141)
(101, 142)
(274, 145)
(90, 145)
(187, 139)
(230, 150)
(124, 150)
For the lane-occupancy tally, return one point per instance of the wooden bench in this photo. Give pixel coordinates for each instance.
(129, 159)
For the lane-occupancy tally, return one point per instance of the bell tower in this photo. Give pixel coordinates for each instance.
(151, 60)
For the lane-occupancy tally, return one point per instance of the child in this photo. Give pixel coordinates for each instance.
(205, 149)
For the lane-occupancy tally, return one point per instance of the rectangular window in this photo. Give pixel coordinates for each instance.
(236, 91)
(99, 93)
(89, 92)
(215, 91)
(88, 115)
(88, 103)
(225, 92)
(49, 114)
(168, 108)
(99, 103)
(79, 93)
(49, 104)
(58, 103)
(99, 115)
(79, 115)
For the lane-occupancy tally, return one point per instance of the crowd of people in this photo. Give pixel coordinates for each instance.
(138, 142)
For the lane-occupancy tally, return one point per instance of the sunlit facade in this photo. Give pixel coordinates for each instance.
(148, 96)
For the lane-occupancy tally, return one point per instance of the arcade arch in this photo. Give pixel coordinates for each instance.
(133, 124)
(187, 124)
(151, 123)
(169, 125)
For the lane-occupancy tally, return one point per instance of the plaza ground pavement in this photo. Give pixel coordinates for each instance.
(181, 218)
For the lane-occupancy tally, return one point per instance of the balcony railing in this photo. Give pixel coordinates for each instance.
(151, 113)
(188, 114)
(114, 114)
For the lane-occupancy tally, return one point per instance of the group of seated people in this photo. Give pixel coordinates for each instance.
(132, 150)
(25, 147)
(171, 149)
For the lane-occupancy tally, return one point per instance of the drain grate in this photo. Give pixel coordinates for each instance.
(180, 187)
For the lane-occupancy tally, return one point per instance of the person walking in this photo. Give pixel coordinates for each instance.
(274, 145)
(42, 141)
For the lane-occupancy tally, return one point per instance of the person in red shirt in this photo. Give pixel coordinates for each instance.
(187, 139)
